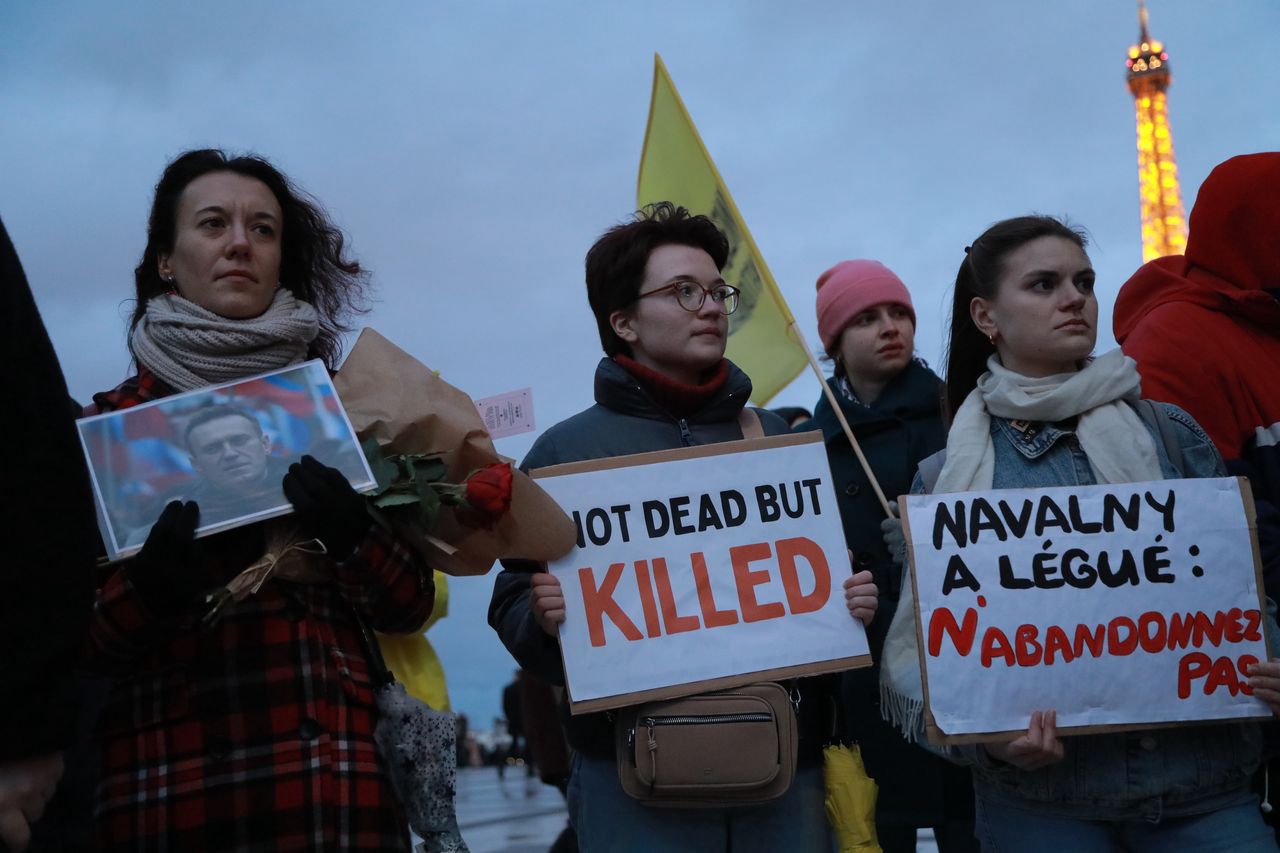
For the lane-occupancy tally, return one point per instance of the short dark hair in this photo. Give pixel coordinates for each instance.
(979, 275)
(312, 265)
(616, 262)
(217, 412)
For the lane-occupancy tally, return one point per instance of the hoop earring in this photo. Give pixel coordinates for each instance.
(992, 337)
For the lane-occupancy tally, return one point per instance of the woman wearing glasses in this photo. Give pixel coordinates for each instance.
(662, 306)
(891, 401)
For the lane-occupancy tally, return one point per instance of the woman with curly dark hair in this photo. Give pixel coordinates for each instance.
(257, 732)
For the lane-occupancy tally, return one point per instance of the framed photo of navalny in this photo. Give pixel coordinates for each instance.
(226, 447)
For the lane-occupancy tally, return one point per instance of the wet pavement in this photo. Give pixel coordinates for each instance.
(515, 814)
(518, 814)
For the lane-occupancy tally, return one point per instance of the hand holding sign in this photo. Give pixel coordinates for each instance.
(861, 596)
(1264, 678)
(547, 602)
(1038, 748)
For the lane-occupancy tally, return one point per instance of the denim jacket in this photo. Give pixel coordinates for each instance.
(1138, 774)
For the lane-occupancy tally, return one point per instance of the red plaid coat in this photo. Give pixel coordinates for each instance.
(256, 735)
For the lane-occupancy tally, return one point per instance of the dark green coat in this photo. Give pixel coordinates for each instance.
(903, 426)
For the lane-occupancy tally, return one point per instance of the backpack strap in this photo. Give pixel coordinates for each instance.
(749, 421)
(1160, 422)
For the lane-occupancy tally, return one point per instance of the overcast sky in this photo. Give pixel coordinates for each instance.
(472, 151)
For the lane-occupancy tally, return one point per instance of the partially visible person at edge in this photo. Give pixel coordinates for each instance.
(892, 402)
(1030, 407)
(255, 733)
(50, 538)
(1204, 328)
(661, 306)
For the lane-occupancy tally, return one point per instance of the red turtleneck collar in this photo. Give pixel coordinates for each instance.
(677, 398)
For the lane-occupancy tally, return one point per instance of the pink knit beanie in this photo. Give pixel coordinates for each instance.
(851, 287)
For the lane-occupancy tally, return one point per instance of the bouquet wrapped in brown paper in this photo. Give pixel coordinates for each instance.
(414, 415)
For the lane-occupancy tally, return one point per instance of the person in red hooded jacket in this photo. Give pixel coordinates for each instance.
(1204, 328)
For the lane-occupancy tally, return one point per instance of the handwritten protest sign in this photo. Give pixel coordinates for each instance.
(1120, 606)
(702, 568)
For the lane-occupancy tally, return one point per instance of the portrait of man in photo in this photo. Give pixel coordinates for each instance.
(231, 455)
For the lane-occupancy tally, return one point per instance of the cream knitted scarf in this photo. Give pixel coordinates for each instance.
(190, 347)
(1111, 433)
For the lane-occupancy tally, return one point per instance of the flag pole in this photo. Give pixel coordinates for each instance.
(844, 424)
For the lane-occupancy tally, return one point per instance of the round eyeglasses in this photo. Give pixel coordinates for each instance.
(691, 296)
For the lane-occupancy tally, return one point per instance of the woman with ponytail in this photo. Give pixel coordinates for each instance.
(1029, 406)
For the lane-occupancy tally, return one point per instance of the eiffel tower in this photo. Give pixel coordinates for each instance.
(1164, 223)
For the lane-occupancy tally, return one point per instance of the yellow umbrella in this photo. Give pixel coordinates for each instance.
(851, 799)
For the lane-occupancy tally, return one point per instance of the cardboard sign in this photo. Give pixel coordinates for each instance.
(1119, 606)
(702, 568)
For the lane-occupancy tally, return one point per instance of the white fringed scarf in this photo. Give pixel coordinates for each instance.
(190, 347)
(1111, 433)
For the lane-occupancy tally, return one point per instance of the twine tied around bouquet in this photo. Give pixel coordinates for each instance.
(280, 560)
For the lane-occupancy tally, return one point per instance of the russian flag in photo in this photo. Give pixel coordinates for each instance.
(159, 463)
(282, 390)
(290, 435)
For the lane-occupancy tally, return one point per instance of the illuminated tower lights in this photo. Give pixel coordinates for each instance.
(1164, 224)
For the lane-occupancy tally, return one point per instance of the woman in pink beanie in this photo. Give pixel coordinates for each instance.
(891, 401)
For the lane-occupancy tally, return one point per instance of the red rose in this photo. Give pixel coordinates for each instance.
(488, 490)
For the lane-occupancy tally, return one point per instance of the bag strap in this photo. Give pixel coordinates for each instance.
(1158, 419)
(378, 672)
(749, 421)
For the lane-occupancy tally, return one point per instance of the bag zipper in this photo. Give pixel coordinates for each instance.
(651, 723)
(708, 719)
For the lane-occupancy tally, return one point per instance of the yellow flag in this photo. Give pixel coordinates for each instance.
(676, 167)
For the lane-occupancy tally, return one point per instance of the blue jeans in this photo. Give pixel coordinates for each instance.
(1235, 829)
(609, 821)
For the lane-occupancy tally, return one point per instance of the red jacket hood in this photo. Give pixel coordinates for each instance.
(1233, 251)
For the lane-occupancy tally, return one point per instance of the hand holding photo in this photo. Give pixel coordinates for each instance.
(227, 448)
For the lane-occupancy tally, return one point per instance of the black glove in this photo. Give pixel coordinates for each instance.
(329, 509)
(169, 571)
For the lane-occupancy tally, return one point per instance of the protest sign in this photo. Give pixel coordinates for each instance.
(1119, 606)
(702, 568)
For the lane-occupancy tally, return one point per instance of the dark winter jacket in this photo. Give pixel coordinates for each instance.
(1204, 328)
(623, 421)
(902, 426)
(49, 533)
